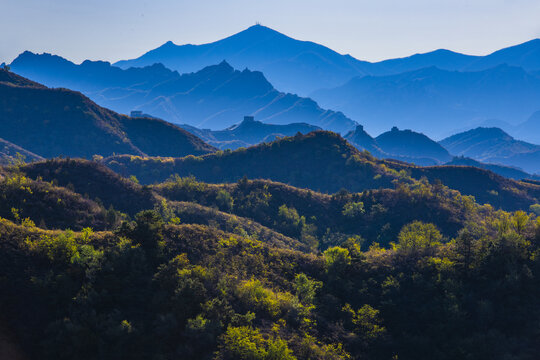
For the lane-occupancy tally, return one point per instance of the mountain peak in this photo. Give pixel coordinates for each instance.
(261, 29)
(28, 58)
(480, 132)
(225, 64)
(255, 34)
(168, 44)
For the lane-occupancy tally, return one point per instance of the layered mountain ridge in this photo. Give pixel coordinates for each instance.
(493, 145)
(248, 132)
(61, 122)
(214, 97)
(315, 66)
(436, 101)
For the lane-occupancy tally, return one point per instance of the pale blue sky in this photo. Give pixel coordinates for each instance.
(369, 30)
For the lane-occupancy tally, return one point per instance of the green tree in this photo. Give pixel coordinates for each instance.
(290, 221)
(224, 200)
(148, 230)
(418, 236)
(306, 288)
(337, 258)
(242, 343)
(353, 209)
(520, 219)
(278, 350)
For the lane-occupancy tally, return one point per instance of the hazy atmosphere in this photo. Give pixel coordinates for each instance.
(270, 180)
(368, 30)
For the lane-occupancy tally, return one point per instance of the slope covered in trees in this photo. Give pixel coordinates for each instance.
(295, 160)
(320, 220)
(448, 276)
(323, 161)
(63, 122)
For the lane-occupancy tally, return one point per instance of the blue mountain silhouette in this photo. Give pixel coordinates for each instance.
(436, 101)
(303, 66)
(214, 97)
(493, 145)
(291, 65)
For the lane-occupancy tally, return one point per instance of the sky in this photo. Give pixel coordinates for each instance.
(368, 30)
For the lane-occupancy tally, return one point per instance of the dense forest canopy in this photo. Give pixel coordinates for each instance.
(95, 265)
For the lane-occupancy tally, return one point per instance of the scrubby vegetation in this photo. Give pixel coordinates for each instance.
(325, 162)
(320, 220)
(260, 270)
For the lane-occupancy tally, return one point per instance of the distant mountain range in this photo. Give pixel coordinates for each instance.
(60, 122)
(424, 92)
(525, 55)
(437, 93)
(486, 148)
(63, 122)
(528, 130)
(248, 132)
(408, 145)
(435, 101)
(291, 65)
(214, 97)
(303, 66)
(363, 141)
(493, 145)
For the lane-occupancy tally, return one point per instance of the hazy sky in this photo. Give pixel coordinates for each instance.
(369, 30)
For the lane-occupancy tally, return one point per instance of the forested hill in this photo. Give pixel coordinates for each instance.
(61, 122)
(323, 161)
(259, 270)
(319, 160)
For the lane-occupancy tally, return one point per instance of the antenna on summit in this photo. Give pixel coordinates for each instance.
(257, 23)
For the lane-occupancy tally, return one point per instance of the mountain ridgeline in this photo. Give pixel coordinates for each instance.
(214, 97)
(323, 161)
(404, 145)
(11, 153)
(435, 101)
(493, 145)
(437, 93)
(248, 132)
(61, 122)
(303, 66)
